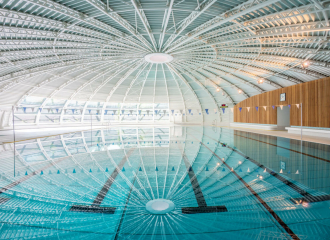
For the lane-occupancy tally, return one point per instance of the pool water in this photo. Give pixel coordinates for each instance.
(208, 183)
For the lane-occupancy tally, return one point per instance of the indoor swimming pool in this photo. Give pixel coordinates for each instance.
(164, 183)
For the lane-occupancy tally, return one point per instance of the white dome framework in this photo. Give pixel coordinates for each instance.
(210, 52)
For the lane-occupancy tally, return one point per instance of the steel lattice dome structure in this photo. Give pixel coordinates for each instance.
(221, 52)
(164, 119)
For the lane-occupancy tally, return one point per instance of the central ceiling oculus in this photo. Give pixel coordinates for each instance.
(158, 58)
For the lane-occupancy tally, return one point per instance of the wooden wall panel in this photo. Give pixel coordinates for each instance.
(314, 95)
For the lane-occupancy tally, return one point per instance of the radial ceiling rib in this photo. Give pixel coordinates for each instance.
(273, 33)
(39, 22)
(12, 78)
(215, 68)
(133, 81)
(143, 80)
(221, 80)
(231, 71)
(118, 69)
(294, 16)
(105, 9)
(284, 64)
(187, 84)
(204, 88)
(239, 11)
(133, 68)
(78, 17)
(204, 77)
(251, 74)
(255, 68)
(167, 16)
(80, 76)
(209, 73)
(187, 21)
(144, 20)
(278, 41)
(63, 74)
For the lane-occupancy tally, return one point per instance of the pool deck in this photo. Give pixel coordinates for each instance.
(284, 134)
(7, 137)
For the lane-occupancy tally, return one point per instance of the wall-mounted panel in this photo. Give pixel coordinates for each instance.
(314, 96)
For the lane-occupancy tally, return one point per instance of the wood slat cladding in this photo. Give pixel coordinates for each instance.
(314, 95)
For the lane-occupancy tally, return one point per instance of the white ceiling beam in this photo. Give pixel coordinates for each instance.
(239, 11)
(194, 71)
(78, 17)
(133, 81)
(187, 21)
(286, 17)
(18, 76)
(167, 15)
(238, 63)
(212, 68)
(320, 6)
(144, 81)
(188, 73)
(106, 10)
(145, 23)
(118, 70)
(57, 77)
(263, 34)
(20, 33)
(132, 68)
(288, 64)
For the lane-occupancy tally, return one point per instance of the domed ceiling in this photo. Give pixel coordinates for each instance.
(213, 51)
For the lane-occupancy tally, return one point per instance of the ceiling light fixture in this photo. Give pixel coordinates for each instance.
(240, 91)
(218, 89)
(158, 58)
(261, 81)
(305, 64)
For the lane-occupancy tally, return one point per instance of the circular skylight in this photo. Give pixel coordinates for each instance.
(158, 58)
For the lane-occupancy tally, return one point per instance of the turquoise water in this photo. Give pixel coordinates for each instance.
(264, 187)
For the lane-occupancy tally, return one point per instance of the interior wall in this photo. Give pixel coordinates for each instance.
(313, 95)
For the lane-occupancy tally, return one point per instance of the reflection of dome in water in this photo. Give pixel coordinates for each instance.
(160, 206)
(151, 188)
